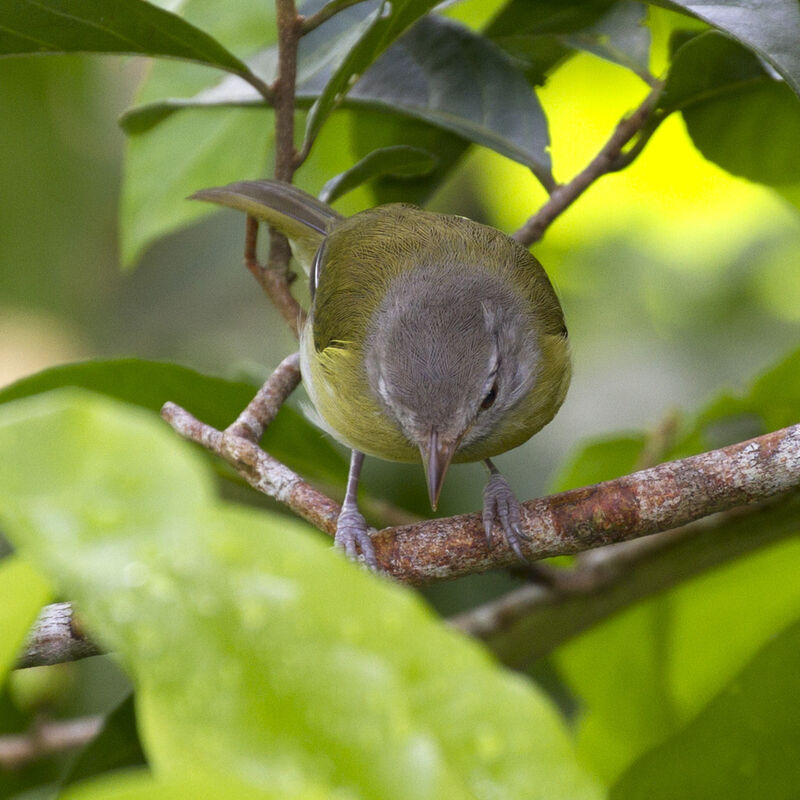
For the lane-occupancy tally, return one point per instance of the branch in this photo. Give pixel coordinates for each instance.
(530, 622)
(610, 159)
(47, 738)
(56, 637)
(275, 278)
(648, 501)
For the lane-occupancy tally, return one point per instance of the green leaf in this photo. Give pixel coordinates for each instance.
(149, 384)
(372, 129)
(96, 26)
(117, 746)
(756, 756)
(540, 35)
(771, 29)
(191, 150)
(619, 36)
(531, 30)
(23, 592)
(451, 75)
(368, 40)
(678, 649)
(141, 785)
(255, 648)
(602, 460)
(645, 673)
(164, 167)
(399, 161)
(738, 116)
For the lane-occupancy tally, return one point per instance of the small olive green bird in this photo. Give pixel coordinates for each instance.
(428, 336)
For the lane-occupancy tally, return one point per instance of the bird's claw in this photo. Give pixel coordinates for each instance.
(500, 503)
(352, 536)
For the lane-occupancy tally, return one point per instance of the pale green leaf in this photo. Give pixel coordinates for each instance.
(23, 592)
(255, 648)
(741, 746)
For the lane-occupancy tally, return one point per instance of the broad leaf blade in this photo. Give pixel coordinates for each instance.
(23, 592)
(678, 649)
(162, 169)
(149, 384)
(386, 22)
(117, 746)
(770, 29)
(738, 115)
(756, 757)
(257, 651)
(97, 26)
(450, 82)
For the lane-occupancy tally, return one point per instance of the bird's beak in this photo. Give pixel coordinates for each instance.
(436, 457)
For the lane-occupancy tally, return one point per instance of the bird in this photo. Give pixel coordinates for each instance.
(430, 337)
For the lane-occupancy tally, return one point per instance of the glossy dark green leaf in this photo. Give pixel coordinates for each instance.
(149, 384)
(771, 29)
(365, 43)
(531, 31)
(399, 161)
(117, 746)
(373, 129)
(737, 114)
(741, 746)
(257, 651)
(540, 35)
(620, 36)
(96, 26)
(450, 79)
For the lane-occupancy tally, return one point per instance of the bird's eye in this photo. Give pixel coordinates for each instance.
(488, 401)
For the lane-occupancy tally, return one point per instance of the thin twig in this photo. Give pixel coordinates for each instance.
(259, 469)
(652, 500)
(325, 13)
(264, 407)
(275, 278)
(56, 637)
(47, 738)
(531, 621)
(610, 158)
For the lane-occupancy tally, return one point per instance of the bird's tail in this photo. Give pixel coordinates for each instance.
(303, 219)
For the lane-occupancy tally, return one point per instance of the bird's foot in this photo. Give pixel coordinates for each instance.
(500, 503)
(352, 536)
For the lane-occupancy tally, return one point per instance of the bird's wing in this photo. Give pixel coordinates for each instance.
(303, 219)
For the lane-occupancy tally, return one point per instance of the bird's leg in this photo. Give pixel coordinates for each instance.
(352, 534)
(500, 503)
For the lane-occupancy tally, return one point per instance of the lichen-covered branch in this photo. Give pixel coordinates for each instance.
(651, 500)
(531, 621)
(661, 498)
(56, 637)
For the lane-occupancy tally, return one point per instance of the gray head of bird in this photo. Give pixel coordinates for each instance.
(448, 357)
